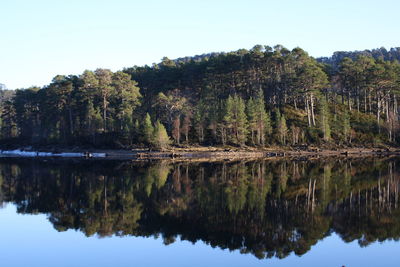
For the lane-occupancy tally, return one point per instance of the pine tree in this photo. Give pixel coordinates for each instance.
(160, 138)
(236, 120)
(186, 125)
(93, 120)
(281, 128)
(136, 132)
(252, 119)
(147, 130)
(258, 119)
(276, 124)
(176, 130)
(262, 118)
(9, 125)
(325, 123)
(268, 125)
(104, 77)
(217, 124)
(199, 119)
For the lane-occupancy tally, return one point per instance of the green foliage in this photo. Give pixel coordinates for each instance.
(160, 139)
(258, 119)
(282, 129)
(200, 120)
(345, 125)
(313, 135)
(215, 99)
(147, 132)
(325, 119)
(235, 120)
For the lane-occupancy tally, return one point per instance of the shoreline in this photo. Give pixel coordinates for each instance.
(206, 153)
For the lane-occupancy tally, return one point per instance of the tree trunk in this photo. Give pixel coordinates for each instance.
(378, 117)
(308, 113)
(312, 110)
(370, 102)
(365, 100)
(71, 123)
(104, 114)
(349, 101)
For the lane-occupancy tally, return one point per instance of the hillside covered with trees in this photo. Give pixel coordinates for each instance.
(380, 53)
(259, 97)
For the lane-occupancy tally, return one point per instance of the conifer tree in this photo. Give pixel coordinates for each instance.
(8, 123)
(93, 120)
(186, 125)
(136, 132)
(252, 119)
(147, 130)
(276, 124)
(262, 118)
(235, 119)
(176, 130)
(160, 137)
(282, 128)
(217, 124)
(199, 120)
(258, 119)
(104, 77)
(324, 120)
(268, 126)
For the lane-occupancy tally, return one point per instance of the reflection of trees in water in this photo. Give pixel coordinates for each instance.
(268, 208)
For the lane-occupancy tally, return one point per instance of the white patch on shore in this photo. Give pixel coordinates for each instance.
(21, 153)
(98, 155)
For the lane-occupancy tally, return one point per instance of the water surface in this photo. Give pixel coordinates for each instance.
(243, 213)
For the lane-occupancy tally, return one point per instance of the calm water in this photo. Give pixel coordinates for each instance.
(251, 213)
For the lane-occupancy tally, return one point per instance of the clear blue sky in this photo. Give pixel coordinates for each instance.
(43, 38)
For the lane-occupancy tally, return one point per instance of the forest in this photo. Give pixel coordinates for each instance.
(262, 97)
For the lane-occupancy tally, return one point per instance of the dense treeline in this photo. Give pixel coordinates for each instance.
(380, 53)
(263, 96)
(267, 208)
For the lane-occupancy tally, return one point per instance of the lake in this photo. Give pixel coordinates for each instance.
(301, 212)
